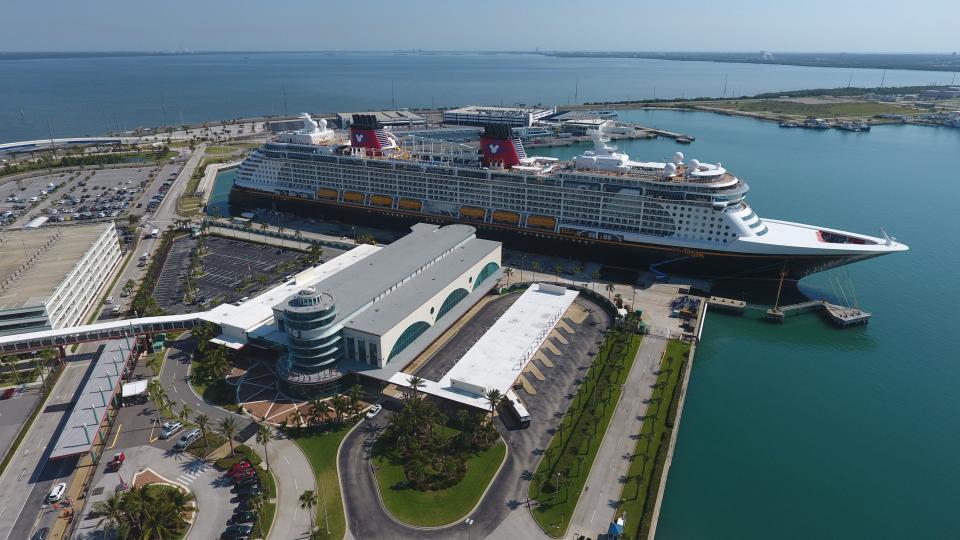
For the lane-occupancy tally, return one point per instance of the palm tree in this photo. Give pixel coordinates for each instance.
(256, 502)
(339, 405)
(609, 287)
(263, 437)
(154, 362)
(356, 392)
(308, 500)
(217, 363)
(595, 277)
(557, 268)
(185, 412)
(203, 422)
(11, 361)
(158, 395)
(112, 510)
(319, 409)
(228, 426)
(508, 272)
(314, 253)
(536, 268)
(416, 383)
(493, 398)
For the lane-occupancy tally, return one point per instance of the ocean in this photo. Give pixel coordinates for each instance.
(72, 96)
(790, 431)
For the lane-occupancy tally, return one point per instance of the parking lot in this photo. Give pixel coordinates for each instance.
(232, 269)
(86, 195)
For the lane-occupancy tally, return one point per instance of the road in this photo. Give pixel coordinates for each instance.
(601, 493)
(29, 476)
(288, 465)
(502, 512)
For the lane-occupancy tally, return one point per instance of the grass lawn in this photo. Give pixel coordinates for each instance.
(214, 441)
(643, 478)
(216, 150)
(265, 521)
(574, 447)
(846, 108)
(220, 393)
(446, 505)
(320, 447)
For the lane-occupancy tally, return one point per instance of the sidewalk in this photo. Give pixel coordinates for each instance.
(601, 493)
(294, 475)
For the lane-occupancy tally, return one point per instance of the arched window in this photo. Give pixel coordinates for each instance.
(488, 270)
(453, 299)
(411, 333)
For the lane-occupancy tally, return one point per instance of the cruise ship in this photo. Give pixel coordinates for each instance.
(683, 217)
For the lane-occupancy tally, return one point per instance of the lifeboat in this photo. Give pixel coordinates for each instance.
(353, 197)
(381, 200)
(410, 204)
(506, 218)
(472, 212)
(535, 221)
(327, 193)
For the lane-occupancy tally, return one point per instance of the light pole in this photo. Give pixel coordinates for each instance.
(469, 523)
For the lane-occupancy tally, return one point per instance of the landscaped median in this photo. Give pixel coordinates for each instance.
(447, 505)
(320, 445)
(562, 472)
(643, 479)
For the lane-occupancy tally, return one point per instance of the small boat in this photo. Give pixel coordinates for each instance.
(684, 140)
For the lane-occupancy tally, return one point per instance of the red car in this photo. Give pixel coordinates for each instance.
(238, 466)
(243, 475)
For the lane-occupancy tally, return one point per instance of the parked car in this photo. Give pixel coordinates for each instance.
(42, 534)
(236, 531)
(253, 479)
(243, 475)
(243, 517)
(170, 428)
(245, 464)
(185, 441)
(57, 492)
(374, 411)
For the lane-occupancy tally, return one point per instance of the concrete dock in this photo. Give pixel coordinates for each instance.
(727, 304)
(840, 316)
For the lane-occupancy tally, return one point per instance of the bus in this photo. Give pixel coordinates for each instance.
(517, 409)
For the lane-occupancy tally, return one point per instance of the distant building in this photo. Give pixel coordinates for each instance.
(386, 118)
(941, 93)
(583, 126)
(481, 116)
(50, 277)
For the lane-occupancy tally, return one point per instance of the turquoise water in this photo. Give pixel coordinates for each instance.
(219, 202)
(801, 430)
(92, 95)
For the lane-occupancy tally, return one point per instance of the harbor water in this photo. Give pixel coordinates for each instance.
(80, 95)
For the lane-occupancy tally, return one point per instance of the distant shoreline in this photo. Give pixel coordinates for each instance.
(893, 61)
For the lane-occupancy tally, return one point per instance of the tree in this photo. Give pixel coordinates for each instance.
(308, 500)
(610, 288)
(339, 406)
(158, 395)
(228, 426)
(132, 220)
(508, 272)
(356, 393)
(185, 412)
(263, 437)
(416, 383)
(314, 253)
(536, 268)
(129, 286)
(203, 422)
(493, 399)
(154, 362)
(595, 277)
(557, 269)
(319, 409)
(216, 362)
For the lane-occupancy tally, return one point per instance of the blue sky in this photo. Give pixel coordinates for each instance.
(681, 25)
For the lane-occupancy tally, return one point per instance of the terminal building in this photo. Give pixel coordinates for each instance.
(386, 118)
(371, 308)
(50, 277)
(483, 116)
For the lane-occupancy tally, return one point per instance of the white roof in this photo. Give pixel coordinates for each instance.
(134, 388)
(501, 354)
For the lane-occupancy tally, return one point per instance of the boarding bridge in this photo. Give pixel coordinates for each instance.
(62, 337)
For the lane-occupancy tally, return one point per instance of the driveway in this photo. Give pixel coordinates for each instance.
(502, 512)
(211, 490)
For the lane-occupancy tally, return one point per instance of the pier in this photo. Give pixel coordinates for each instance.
(727, 304)
(840, 316)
